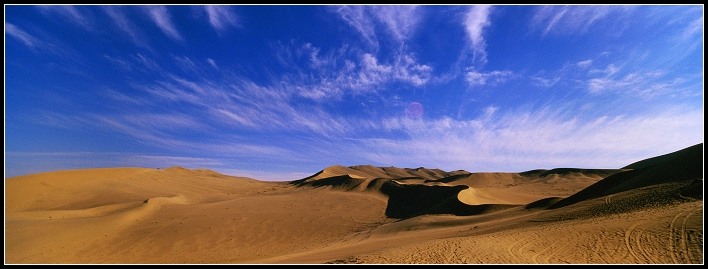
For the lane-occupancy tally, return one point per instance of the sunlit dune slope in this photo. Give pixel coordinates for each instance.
(90, 188)
(173, 215)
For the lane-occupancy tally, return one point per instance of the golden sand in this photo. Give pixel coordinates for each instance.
(649, 213)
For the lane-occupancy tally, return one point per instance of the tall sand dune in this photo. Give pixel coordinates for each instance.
(648, 212)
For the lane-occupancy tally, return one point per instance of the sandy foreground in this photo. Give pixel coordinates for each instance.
(649, 212)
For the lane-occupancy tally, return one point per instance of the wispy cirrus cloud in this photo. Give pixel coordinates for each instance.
(122, 63)
(693, 29)
(399, 22)
(574, 18)
(221, 18)
(70, 13)
(616, 77)
(475, 78)
(212, 63)
(229, 101)
(138, 127)
(475, 20)
(644, 85)
(544, 80)
(147, 64)
(26, 38)
(119, 18)
(40, 42)
(330, 75)
(358, 18)
(584, 64)
(161, 16)
(609, 70)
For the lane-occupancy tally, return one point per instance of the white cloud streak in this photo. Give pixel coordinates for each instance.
(584, 64)
(573, 19)
(476, 19)
(160, 15)
(212, 63)
(644, 85)
(401, 21)
(124, 24)
(221, 18)
(21, 35)
(44, 43)
(545, 82)
(475, 78)
(693, 29)
(357, 17)
(67, 12)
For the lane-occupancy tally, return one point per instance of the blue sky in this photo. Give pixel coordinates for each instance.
(280, 92)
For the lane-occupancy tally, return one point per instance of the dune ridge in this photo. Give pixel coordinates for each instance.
(648, 212)
(685, 165)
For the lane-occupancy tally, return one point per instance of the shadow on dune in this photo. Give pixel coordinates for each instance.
(408, 200)
(543, 203)
(684, 167)
(405, 201)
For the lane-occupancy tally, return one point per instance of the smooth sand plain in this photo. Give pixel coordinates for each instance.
(647, 212)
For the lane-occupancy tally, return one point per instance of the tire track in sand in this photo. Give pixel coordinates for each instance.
(562, 247)
(678, 237)
(641, 249)
(534, 258)
(597, 247)
(521, 250)
(672, 242)
(517, 250)
(684, 237)
(628, 243)
(509, 249)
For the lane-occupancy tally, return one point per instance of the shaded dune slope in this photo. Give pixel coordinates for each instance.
(407, 194)
(681, 167)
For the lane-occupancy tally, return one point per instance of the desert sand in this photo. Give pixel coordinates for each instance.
(648, 212)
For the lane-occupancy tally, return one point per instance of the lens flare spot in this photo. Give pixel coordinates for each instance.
(414, 110)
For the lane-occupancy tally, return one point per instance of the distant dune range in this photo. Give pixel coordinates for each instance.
(648, 212)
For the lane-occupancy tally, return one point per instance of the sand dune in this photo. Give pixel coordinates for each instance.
(648, 212)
